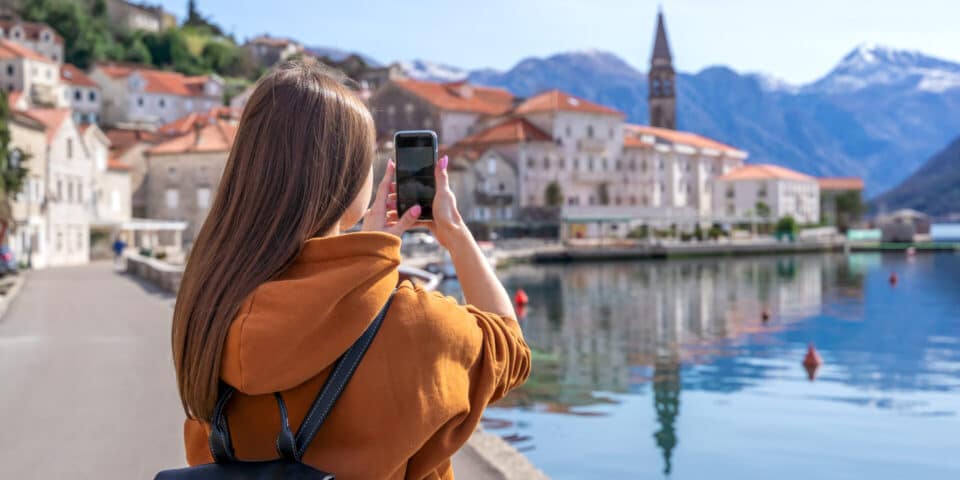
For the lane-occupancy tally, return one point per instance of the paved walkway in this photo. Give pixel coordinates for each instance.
(87, 388)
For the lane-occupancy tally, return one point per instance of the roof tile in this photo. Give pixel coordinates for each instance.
(461, 96)
(556, 100)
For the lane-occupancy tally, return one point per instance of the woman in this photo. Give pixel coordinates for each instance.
(275, 291)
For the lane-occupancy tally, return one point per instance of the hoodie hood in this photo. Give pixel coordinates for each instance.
(294, 327)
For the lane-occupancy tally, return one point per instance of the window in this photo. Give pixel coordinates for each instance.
(576, 164)
(563, 163)
(162, 102)
(16, 34)
(79, 239)
(530, 162)
(203, 197)
(92, 96)
(568, 130)
(46, 36)
(77, 95)
(590, 163)
(59, 190)
(69, 191)
(408, 108)
(79, 192)
(428, 123)
(546, 163)
(611, 133)
(491, 166)
(69, 148)
(730, 192)
(605, 164)
(589, 131)
(172, 198)
(56, 58)
(139, 101)
(59, 239)
(172, 172)
(619, 165)
(391, 110)
(10, 70)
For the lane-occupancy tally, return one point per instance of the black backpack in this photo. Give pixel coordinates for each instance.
(290, 447)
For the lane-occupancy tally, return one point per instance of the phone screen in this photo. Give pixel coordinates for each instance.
(416, 185)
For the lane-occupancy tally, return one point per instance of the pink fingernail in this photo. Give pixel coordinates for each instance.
(443, 163)
(415, 211)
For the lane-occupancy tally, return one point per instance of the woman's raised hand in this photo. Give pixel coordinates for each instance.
(447, 225)
(382, 215)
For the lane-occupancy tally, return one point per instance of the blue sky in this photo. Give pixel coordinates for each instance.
(797, 40)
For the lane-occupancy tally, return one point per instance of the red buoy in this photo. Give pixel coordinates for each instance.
(521, 299)
(812, 362)
(893, 278)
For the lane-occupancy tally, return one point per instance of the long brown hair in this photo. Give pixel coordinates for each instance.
(302, 152)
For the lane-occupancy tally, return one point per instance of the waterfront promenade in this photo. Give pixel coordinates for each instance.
(88, 388)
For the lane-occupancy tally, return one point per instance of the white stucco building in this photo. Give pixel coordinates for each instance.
(35, 76)
(81, 93)
(38, 37)
(135, 95)
(53, 211)
(737, 195)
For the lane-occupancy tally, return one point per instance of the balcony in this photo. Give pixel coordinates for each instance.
(591, 145)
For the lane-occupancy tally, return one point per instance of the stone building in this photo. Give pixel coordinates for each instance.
(451, 109)
(267, 51)
(38, 37)
(137, 16)
(140, 96)
(183, 173)
(739, 194)
(82, 93)
(128, 147)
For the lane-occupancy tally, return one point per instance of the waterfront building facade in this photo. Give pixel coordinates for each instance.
(841, 200)
(766, 193)
(81, 93)
(30, 77)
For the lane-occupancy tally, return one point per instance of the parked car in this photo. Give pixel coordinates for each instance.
(8, 262)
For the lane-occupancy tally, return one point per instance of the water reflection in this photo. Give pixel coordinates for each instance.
(666, 329)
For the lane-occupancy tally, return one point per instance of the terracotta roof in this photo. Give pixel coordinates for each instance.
(158, 81)
(513, 130)
(630, 141)
(125, 138)
(679, 137)
(31, 30)
(765, 171)
(188, 122)
(460, 96)
(10, 50)
(52, 118)
(840, 183)
(14, 97)
(74, 76)
(217, 136)
(555, 100)
(114, 164)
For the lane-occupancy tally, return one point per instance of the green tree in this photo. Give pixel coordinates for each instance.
(553, 195)
(86, 39)
(787, 226)
(849, 209)
(763, 210)
(224, 58)
(12, 170)
(138, 52)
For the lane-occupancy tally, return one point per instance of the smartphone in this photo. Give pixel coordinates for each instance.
(416, 156)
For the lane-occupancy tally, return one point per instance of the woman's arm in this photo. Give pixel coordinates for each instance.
(481, 287)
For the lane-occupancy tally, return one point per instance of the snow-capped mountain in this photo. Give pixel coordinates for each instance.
(433, 71)
(871, 65)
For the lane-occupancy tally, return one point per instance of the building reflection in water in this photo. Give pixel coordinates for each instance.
(622, 327)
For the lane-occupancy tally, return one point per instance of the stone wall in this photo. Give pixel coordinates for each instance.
(162, 274)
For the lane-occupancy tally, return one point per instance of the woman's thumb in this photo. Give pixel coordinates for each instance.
(409, 219)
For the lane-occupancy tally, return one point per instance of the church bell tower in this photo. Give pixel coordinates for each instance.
(661, 95)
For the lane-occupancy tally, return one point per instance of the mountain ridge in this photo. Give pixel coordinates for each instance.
(878, 114)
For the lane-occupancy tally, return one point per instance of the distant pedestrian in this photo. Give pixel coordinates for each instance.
(276, 290)
(118, 247)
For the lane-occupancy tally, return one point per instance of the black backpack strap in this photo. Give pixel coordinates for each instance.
(336, 382)
(291, 447)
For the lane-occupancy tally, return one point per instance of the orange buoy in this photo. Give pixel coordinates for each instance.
(893, 278)
(812, 362)
(521, 299)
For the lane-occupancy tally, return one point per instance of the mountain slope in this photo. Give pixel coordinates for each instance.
(934, 188)
(877, 114)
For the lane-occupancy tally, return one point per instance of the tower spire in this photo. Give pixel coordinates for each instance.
(661, 95)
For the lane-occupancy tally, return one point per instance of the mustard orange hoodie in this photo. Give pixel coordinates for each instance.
(416, 397)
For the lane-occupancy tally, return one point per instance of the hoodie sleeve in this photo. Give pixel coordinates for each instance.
(479, 358)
